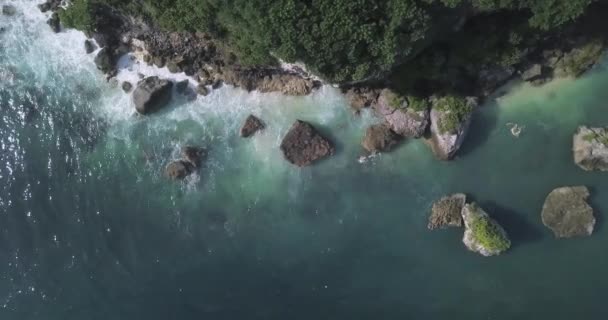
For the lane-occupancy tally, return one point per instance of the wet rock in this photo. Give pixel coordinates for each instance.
(217, 84)
(182, 86)
(194, 155)
(127, 86)
(173, 67)
(450, 122)
(152, 94)
(89, 46)
(590, 148)
(482, 233)
(44, 7)
(379, 138)
(202, 90)
(268, 80)
(54, 22)
(9, 10)
(105, 60)
(567, 213)
(447, 212)
(178, 170)
(361, 97)
(403, 116)
(581, 58)
(158, 61)
(252, 125)
(304, 145)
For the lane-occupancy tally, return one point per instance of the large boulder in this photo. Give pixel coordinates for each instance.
(406, 116)
(567, 213)
(447, 212)
(450, 121)
(482, 233)
(590, 147)
(379, 138)
(152, 94)
(304, 145)
(105, 60)
(252, 125)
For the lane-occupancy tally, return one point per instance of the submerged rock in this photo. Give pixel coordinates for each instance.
(404, 116)
(252, 125)
(450, 121)
(152, 94)
(178, 170)
(194, 155)
(54, 22)
(590, 148)
(482, 234)
(447, 212)
(89, 46)
(127, 86)
(304, 145)
(9, 10)
(379, 138)
(567, 213)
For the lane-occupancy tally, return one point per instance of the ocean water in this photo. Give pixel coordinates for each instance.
(90, 229)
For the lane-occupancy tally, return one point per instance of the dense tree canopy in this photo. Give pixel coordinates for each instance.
(342, 40)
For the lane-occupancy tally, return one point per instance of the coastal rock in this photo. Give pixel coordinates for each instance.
(482, 233)
(152, 94)
(304, 145)
(54, 22)
(268, 80)
(379, 138)
(194, 155)
(362, 97)
(533, 73)
(89, 46)
(178, 170)
(590, 147)
(9, 10)
(173, 67)
(585, 54)
(105, 60)
(567, 213)
(127, 86)
(447, 212)
(182, 86)
(403, 116)
(202, 90)
(252, 125)
(449, 126)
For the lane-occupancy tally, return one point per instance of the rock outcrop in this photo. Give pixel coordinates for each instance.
(447, 212)
(449, 127)
(379, 138)
(269, 80)
(252, 125)
(567, 213)
(89, 46)
(303, 145)
(152, 94)
(482, 234)
(403, 116)
(361, 97)
(590, 148)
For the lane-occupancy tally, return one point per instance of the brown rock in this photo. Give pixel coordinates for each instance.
(303, 145)
(447, 212)
(252, 125)
(178, 170)
(379, 138)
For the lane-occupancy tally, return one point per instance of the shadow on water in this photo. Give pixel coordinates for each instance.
(484, 122)
(520, 230)
(599, 219)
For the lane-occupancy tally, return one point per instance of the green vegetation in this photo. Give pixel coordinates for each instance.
(416, 104)
(488, 233)
(342, 40)
(578, 61)
(601, 137)
(455, 111)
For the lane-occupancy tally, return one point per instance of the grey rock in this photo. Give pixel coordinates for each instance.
(533, 73)
(445, 144)
(303, 145)
(54, 22)
(152, 94)
(446, 212)
(590, 148)
(567, 213)
(105, 60)
(202, 90)
(182, 86)
(173, 67)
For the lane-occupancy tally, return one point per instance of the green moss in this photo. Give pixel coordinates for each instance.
(395, 101)
(77, 15)
(455, 111)
(416, 104)
(488, 233)
(599, 137)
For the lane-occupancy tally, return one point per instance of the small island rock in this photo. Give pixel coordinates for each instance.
(152, 94)
(590, 147)
(482, 234)
(567, 213)
(303, 145)
(450, 122)
(252, 125)
(447, 212)
(54, 22)
(379, 138)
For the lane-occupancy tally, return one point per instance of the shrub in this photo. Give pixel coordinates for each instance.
(455, 111)
(488, 234)
(77, 15)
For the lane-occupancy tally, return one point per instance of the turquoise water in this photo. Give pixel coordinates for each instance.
(89, 228)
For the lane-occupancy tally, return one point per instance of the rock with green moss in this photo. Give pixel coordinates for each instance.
(590, 148)
(450, 120)
(567, 213)
(585, 54)
(407, 116)
(446, 212)
(482, 233)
